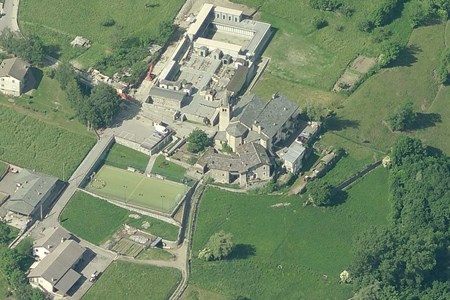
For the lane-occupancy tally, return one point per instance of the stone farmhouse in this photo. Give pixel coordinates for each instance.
(13, 76)
(253, 119)
(58, 256)
(249, 163)
(213, 61)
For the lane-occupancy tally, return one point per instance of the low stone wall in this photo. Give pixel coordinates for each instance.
(132, 145)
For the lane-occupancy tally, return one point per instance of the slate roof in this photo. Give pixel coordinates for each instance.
(271, 116)
(55, 266)
(33, 187)
(52, 238)
(67, 281)
(167, 94)
(248, 156)
(236, 129)
(14, 67)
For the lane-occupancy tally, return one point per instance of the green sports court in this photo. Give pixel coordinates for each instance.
(137, 189)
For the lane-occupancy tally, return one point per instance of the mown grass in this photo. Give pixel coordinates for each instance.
(155, 254)
(123, 157)
(287, 252)
(134, 281)
(57, 22)
(34, 144)
(96, 220)
(3, 167)
(47, 103)
(306, 62)
(411, 78)
(168, 169)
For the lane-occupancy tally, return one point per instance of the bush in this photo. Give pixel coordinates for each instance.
(320, 192)
(403, 117)
(325, 5)
(319, 22)
(389, 52)
(385, 12)
(346, 11)
(108, 22)
(219, 246)
(365, 26)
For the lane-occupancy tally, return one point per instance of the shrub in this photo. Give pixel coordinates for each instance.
(320, 192)
(219, 246)
(365, 26)
(389, 52)
(108, 22)
(319, 22)
(326, 5)
(403, 117)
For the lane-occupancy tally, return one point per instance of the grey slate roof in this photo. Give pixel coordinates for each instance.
(271, 116)
(236, 129)
(14, 67)
(56, 264)
(247, 156)
(33, 188)
(276, 113)
(52, 238)
(67, 281)
(167, 94)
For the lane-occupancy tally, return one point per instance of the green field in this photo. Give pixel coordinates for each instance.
(134, 281)
(137, 189)
(155, 254)
(123, 157)
(47, 103)
(3, 167)
(57, 22)
(168, 169)
(34, 144)
(96, 220)
(305, 62)
(284, 253)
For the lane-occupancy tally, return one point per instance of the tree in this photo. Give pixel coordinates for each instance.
(406, 149)
(315, 111)
(389, 52)
(320, 192)
(198, 141)
(326, 5)
(65, 74)
(29, 48)
(319, 22)
(219, 246)
(403, 117)
(101, 106)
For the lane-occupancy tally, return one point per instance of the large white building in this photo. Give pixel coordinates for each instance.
(13, 76)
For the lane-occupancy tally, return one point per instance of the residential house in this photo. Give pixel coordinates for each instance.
(49, 242)
(13, 76)
(55, 273)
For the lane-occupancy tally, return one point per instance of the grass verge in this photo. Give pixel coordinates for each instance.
(168, 169)
(123, 157)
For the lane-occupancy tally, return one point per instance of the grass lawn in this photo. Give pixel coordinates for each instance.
(168, 169)
(48, 103)
(284, 253)
(123, 157)
(137, 189)
(34, 144)
(155, 254)
(305, 62)
(57, 22)
(134, 281)
(361, 119)
(96, 220)
(3, 167)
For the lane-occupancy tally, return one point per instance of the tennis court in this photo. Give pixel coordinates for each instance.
(137, 189)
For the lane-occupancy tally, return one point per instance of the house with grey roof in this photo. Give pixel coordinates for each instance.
(50, 240)
(254, 120)
(56, 273)
(13, 76)
(250, 162)
(293, 157)
(168, 98)
(33, 194)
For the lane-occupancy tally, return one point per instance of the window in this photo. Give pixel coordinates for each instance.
(229, 18)
(13, 81)
(264, 173)
(218, 16)
(235, 19)
(223, 17)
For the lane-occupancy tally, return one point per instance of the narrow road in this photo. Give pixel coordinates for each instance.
(9, 17)
(75, 180)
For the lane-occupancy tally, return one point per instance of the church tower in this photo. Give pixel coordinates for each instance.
(225, 112)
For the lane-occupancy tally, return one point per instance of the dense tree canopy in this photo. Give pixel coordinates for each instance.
(101, 106)
(409, 258)
(198, 140)
(403, 117)
(29, 48)
(219, 246)
(320, 192)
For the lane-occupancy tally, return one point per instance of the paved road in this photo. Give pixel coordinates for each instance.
(9, 18)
